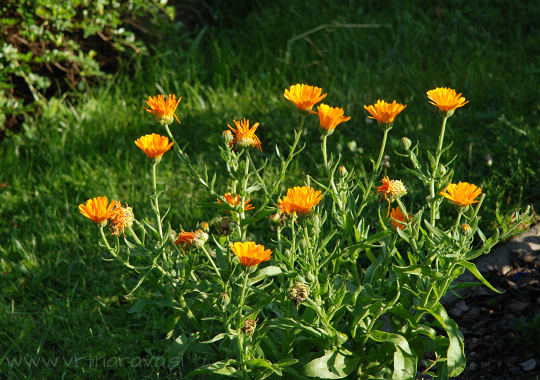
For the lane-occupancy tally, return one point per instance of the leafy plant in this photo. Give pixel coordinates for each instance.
(340, 296)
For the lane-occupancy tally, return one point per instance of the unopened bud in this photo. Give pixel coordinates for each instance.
(227, 136)
(405, 143)
(204, 226)
(342, 170)
(224, 299)
(466, 229)
(278, 218)
(173, 235)
(442, 169)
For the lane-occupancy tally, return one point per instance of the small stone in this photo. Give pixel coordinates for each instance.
(505, 269)
(473, 366)
(528, 365)
(517, 307)
(460, 308)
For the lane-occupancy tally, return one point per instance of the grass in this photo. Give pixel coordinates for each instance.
(60, 299)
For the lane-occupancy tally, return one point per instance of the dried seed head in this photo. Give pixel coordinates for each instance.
(405, 143)
(249, 326)
(298, 292)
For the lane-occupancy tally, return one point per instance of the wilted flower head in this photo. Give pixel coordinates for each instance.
(466, 229)
(396, 216)
(304, 96)
(250, 254)
(298, 292)
(462, 193)
(186, 239)
(235, 200)
(446, 99)
(330, 117)
(244, 135)
(385, 113)
(98, 209)
(299, 200)
(391, 190)
(224, 225)
(121, 218)
(154, 145)
(249, 326)
(227, 137)
(163, 110)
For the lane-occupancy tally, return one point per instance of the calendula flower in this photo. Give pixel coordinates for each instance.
(303, 96)
(396, 216)
(235, 200)
(154, 145)
(250, 254)
(186, 239)
(120, 218)
(163, 110)
(299, 200)
(462, 193)
(244, 135)
(391, 190)
(330, 117)
(385, 113)
(446, 99)
(98, 209)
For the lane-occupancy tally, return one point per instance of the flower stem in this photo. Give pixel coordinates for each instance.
(436, 169)
(375, 172)
(213, 264)
(286, 164)
(156, 202)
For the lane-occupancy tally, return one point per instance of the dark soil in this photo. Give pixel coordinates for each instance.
(502, 331)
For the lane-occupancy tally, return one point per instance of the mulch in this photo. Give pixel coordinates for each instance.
(502, 331)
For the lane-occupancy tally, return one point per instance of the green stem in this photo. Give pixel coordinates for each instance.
(213, 265)
(285, 165)
(240, 322)
(156, 201)
(436, 169)
(375, 172)
(261, 181)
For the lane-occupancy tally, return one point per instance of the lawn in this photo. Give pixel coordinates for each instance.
(62, 301)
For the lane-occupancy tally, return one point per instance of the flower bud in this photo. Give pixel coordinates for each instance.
(224, 299)
(342, 171)
(442, 169)
(278, 218)
(489, 160)
(204, 226)
(467, 230)
(173, 235)
(405, 143)
(227, 136)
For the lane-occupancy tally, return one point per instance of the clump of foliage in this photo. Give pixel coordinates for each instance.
(348, 287)
(47, 45)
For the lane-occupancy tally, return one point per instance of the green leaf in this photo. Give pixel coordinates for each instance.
(333, 365)
(265, 272)
(404, 360)
(472, 268)
(418, 270)
(217, 368)
(456, 360)
(263, 363)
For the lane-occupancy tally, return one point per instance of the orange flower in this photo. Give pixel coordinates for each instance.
(245, 136)
(304, 96)
(163, 110)
(446, 99)
(186, 239)
(385, 113)
(120, 218)
(154, 145)
(300, 200)
(234, 200)
(391, 190)
(397, 216)
(98, 209)
(462, 194)
(330, 117)
(250, 254)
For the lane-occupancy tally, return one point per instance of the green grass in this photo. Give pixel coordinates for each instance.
(60, 299)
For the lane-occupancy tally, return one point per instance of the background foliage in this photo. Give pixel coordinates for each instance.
(61, 300)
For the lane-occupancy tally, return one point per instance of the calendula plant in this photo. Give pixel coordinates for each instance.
(342, 285)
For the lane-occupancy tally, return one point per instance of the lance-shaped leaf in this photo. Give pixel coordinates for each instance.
(333, 365)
